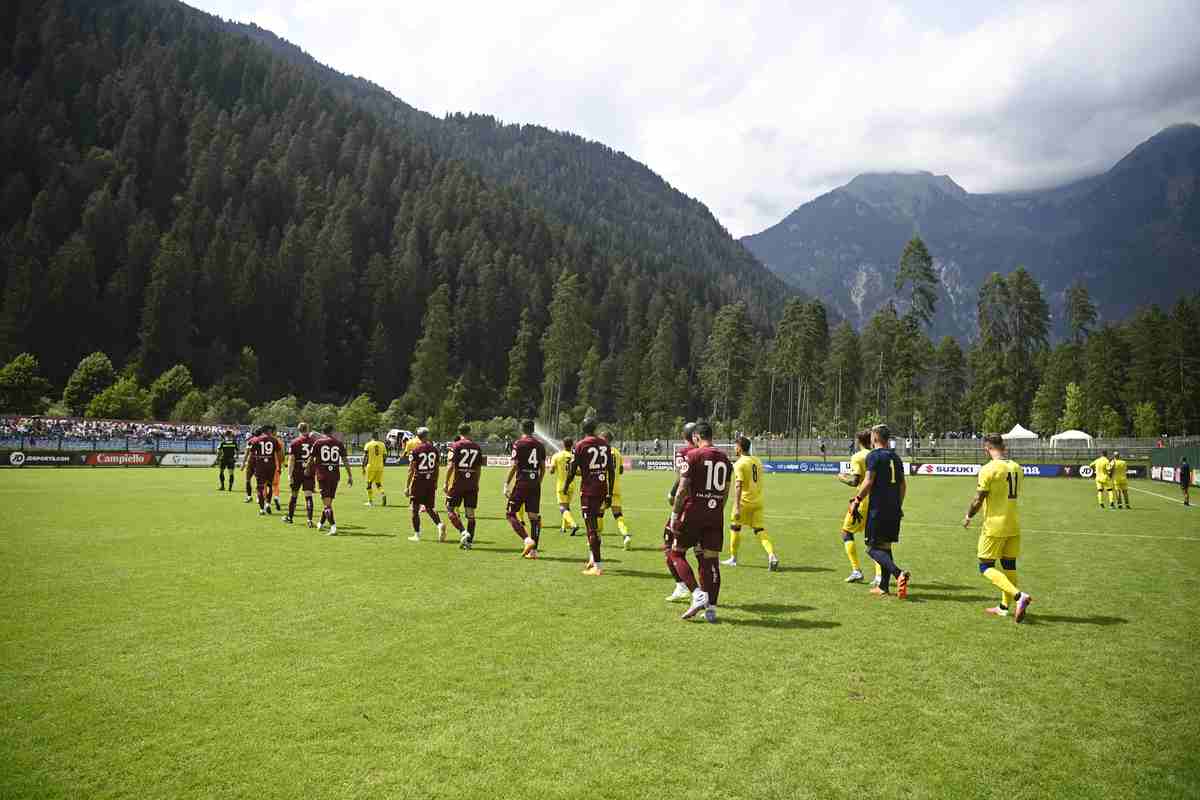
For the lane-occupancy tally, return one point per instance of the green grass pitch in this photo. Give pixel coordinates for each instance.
(161, 640)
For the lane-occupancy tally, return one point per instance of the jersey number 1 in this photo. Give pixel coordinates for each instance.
(1012, 486)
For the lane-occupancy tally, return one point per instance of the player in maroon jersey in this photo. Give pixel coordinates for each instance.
(698, 520)
(422, 485)
(593, 462)
(464, 463)
(248, 463)
(523, 488)
(262, 455)
(299, 477)
(328, 456)
(681, 590)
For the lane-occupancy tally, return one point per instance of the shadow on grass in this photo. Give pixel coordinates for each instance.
(944, 587)
(638, 573)
(771, 608)
(1052, 618)
(779, 624)
(918, 596)
(800, 569)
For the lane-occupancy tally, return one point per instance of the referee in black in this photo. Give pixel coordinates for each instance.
(886, 486)
(227, 459)
(1185, 480)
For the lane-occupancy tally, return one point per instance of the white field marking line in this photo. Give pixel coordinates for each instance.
(1156, 494)
(1028, 530)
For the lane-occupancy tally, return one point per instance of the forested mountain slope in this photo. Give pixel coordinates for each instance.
(1132, 235)
(176, 189)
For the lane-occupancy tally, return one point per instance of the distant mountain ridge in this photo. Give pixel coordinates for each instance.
(1131, 234)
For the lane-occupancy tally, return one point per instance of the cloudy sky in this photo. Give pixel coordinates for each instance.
(757, 107)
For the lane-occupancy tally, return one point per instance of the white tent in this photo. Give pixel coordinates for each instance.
(1072, 437)
(1019, 432)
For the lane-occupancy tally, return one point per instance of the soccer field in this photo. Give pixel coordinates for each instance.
(162, 640)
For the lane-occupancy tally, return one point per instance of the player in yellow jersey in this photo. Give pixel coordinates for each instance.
(560, 468)
(617, 511)
(1118, 469)
(1102, 468)
(374, 453)
(748, 505)
(997, 491)
(857, 523)
(410, 444)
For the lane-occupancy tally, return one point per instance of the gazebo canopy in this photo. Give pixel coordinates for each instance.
(1071, 437)
(1019, 432)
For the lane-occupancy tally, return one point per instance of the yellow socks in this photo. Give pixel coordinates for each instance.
(852, 554)
(1000, 581)
(622, 527)
(1100, 497)
(600, 524)
(370, 494)
(568, 520)
(1011, 574)
(735, 542)
(765, 541)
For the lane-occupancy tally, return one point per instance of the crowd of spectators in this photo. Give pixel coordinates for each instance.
(100, 430)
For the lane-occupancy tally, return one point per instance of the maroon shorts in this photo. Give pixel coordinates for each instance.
(423, 495)
(527, 495)
(302, 480)
(467, 497)
(265, 473)
(592, 505)
(329, 485)
(708, 534)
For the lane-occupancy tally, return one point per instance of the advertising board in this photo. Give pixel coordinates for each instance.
(654, 464)
(804, 467)
(187, 459)
(20, 458)
(127, 459)
(946, 469)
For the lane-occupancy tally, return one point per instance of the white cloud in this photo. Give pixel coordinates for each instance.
(756, 107)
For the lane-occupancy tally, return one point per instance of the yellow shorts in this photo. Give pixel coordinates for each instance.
(751, 517)
(375, 475)
(1122, 484)
(616, 499)
(564, 499)
(848, 523)
(1103, 485)
(994, 548)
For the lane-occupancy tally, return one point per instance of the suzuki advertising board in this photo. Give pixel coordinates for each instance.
(946, 469)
